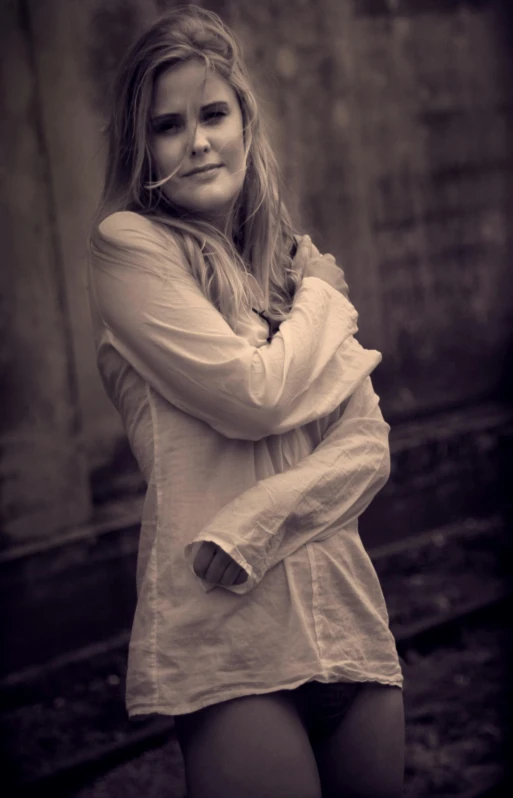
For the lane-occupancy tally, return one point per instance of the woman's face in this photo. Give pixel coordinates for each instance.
(209, 171)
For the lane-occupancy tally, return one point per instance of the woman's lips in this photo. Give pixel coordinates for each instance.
(211, 170)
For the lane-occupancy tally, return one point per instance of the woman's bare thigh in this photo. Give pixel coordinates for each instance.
(364, 756)
(250, 747)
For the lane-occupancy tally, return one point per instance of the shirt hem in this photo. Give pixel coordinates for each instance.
(226, 695)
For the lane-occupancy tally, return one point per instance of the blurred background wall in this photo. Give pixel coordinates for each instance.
(394, 123)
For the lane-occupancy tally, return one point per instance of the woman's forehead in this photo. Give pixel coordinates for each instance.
(188, 85)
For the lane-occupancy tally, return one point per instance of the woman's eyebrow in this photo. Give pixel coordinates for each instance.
(172, 116)
(167, 116)
(221, 105)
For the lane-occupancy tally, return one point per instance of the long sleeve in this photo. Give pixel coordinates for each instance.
(322, 493)
(155, 315)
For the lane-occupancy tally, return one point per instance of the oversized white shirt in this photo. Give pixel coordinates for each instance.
(270, 449)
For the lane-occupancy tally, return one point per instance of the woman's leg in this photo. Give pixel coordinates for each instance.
(250, 747)
(364, 756)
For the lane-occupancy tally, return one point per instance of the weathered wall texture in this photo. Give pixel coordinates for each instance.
(393, 119)
(396, 135)
(44, 480)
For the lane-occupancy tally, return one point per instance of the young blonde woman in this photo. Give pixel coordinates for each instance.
(227, 344)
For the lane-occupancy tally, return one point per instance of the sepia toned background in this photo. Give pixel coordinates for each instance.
(393, 120)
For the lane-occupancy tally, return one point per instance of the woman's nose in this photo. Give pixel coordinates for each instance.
(200, 142)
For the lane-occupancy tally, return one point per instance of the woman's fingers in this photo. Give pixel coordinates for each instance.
(203, 558)
(218, 565)
(233, 575)
(230, 574)
(242, 577)
(214, 565)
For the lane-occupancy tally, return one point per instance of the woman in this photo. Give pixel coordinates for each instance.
(227, 345)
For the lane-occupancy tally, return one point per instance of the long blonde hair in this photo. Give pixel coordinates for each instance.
(260, 232)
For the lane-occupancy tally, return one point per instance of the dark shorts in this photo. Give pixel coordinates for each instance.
(322, 706)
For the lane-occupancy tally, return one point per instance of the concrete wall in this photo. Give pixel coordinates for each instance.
(396, 135)
(44, 474)
(394, 124)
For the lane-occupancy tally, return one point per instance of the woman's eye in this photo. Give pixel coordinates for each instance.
(168, 127)
(214, 117)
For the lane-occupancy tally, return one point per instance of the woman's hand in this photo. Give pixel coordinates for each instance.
(214, 565)
(325, 268)
(310, 263)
